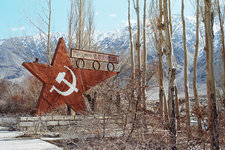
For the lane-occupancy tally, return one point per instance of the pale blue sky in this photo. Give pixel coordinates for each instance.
(109, 15)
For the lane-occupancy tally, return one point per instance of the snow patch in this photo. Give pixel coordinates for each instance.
(28, 144)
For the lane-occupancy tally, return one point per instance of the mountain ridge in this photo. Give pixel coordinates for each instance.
(116, 42)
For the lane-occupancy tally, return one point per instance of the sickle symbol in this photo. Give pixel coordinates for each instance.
(61, 77)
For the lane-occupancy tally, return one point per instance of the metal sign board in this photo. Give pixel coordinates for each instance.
(95, 56)
(62, 83)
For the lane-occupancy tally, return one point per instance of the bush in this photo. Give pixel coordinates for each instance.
(19, 98)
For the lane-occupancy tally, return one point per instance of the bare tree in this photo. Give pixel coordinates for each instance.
(137, 47)
(81, 24)
(185, 73)
(90, 25)
(144, 59)
(49, 30)
(168, 52)
(160, 54)
(171, 73)
(80, 8)
(46, 20)
(221, 22)
(213, 115)
(195, 71)
(155, 19)
(138, 43)
(170, 18)
(71, 28)
(131, 57)
(131, 43)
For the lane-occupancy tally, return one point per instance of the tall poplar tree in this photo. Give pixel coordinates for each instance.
(160, 54)
(195, 71)
(171, 73)
(144, 59)
(213, 114)
(185, 73)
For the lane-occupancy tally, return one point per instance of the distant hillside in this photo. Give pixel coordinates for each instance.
(117, 42)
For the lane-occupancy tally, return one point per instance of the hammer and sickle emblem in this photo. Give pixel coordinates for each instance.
(61, 77)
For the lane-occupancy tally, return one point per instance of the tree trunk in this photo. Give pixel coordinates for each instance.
(144, 59)
(171, 75)
(170, 22)
(70, 20)
(138, 46)
(195, 72)
(132, 106)
(90, 28)
(185, 74)
(80, 25)
(165, 110)
(172, 127)
(131, 43)
(168, 55)
(213, 115)
(49, 31)
(177, 109)
(160, 54)
(221, 20)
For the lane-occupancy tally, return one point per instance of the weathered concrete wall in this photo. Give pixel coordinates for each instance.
(82, 126)
(45, 123)
(36, 123)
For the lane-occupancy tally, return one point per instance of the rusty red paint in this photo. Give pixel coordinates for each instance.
(58, 77)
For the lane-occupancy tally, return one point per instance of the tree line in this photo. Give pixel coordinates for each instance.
(162, 28)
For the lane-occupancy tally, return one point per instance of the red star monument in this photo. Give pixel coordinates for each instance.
(63, 83)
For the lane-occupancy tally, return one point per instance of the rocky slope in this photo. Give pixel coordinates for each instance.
(16, 50)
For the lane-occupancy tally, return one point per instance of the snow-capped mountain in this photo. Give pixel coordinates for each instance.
(16, 50)
(119, 41)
